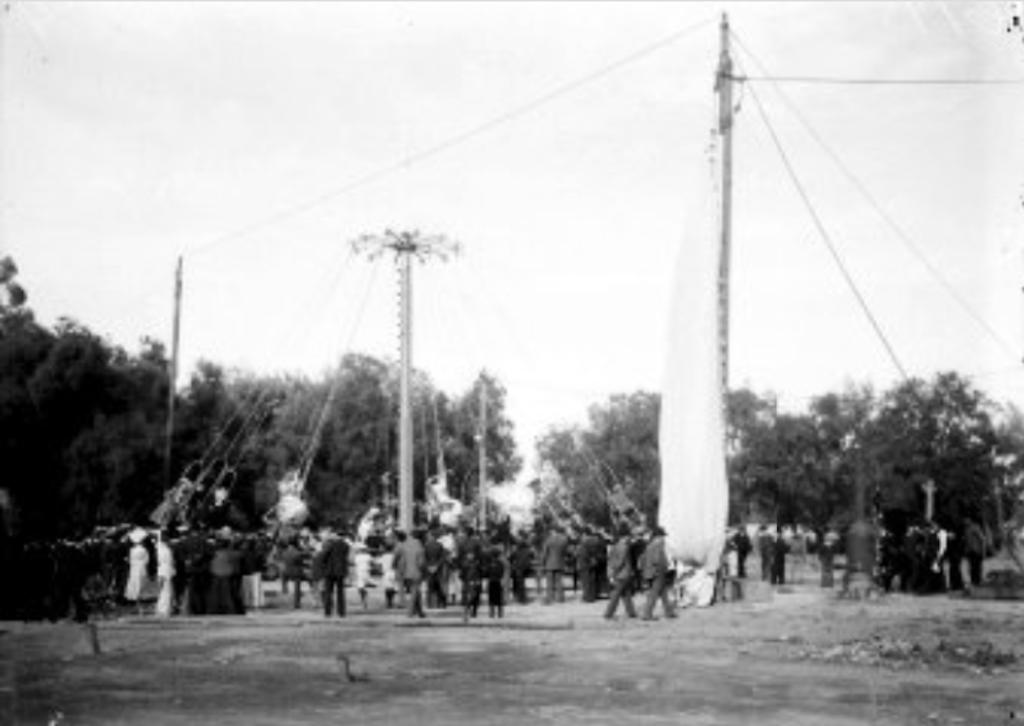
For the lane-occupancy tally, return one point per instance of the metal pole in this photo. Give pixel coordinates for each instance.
(405, 416)
(172, 376)
(405, 245)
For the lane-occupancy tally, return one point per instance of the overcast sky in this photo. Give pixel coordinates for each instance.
(562, 145)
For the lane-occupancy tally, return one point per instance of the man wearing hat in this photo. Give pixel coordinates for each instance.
(334, 569)
(655, 569)
(620, 573)
(552, 562)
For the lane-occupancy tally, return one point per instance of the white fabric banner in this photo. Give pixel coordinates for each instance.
(694, 501)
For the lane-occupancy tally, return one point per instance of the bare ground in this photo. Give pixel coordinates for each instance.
(804, 657)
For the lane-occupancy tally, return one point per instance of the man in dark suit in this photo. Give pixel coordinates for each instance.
(588, 561)
(437, 571)
(620, 573)
(552, 563)
(334, 570)
(656, 572)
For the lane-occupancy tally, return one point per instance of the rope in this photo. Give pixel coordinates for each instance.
(827, 239)
(824, 80)
(208, 460)
(249, 412)
(459, 138)
(896, 229)
(306, 462)
(259, 416)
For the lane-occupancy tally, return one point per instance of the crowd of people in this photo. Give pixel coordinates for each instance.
(133, 570)
(927, 558)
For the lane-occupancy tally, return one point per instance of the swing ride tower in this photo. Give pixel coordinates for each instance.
(405, 246)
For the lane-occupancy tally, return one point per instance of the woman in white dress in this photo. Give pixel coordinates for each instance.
(363, 560)
(165, 577)
(138, 559)
(388, 579)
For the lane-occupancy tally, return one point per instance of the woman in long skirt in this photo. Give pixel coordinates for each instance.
(138, 559)
(165, 577)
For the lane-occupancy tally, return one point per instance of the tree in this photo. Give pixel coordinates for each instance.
(618, 448)
(1008, 487)
(749, 420)
(460, 433)
(352, 455)
(940, 431)
(12, 295)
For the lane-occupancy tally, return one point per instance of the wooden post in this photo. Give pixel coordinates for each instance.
(172, 376)
(483, 453)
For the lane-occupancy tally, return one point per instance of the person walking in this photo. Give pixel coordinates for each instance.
(552, 561)
(620, 574)
(656, 576)
(334, 570)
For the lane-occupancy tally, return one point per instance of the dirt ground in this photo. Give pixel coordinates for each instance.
(802, 657)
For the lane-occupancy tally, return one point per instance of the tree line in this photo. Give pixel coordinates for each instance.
(83, 430)
(858, 452)
(83, 433)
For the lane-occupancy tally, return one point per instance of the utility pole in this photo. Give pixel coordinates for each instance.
(172, 376)
(482, 450)
(405, 246)
(723, 86)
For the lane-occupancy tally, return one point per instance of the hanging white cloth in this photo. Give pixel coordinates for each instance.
(694, 502)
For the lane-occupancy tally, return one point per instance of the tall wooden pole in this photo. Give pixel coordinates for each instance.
(172, 376)
(482, 450)
(723, 85)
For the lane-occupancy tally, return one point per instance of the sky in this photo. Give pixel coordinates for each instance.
(563, 146)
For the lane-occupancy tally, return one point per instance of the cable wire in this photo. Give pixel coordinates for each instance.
(455, 140)
(306, 462)
(886, 217)
(834, 81)
(826, 238)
